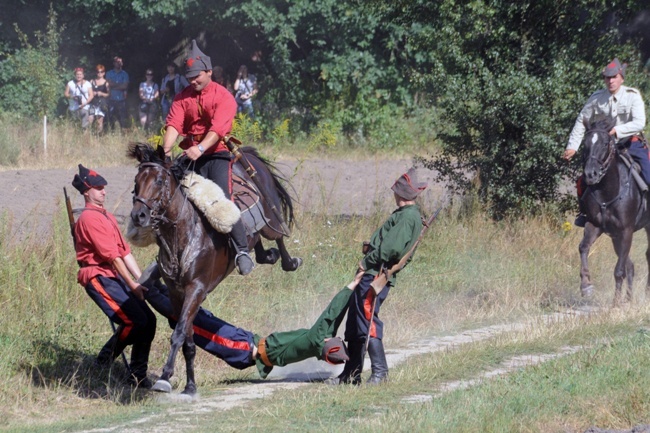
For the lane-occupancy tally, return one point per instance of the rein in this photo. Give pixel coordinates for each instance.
(159, 217)
(611, 153)
(604, 167)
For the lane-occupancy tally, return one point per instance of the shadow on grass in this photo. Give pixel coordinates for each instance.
(56, 367)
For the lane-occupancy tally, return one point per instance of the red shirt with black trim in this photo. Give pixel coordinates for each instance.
(196, 113)
(98, 241)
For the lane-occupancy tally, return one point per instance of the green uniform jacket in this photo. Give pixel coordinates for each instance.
(284, 348)
(390, 242)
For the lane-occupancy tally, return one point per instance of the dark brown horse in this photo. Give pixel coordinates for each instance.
(614, 205)
(194, 258)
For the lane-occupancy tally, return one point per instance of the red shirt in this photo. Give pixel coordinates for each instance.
(197, 113)
(98, 241)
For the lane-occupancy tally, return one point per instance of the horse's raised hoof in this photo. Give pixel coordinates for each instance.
(587, 292)
(270, 257)
(293, 264)
(162, 386)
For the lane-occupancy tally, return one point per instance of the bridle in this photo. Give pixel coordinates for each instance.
(158, 209)
(603, 165)
(155, 205)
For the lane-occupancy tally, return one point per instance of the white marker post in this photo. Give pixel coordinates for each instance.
(45, 134)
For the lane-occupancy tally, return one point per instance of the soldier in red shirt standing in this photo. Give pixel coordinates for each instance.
(109, 272)
(203, 113)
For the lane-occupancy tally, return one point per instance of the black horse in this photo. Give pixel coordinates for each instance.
(193, 257)
(613, 204)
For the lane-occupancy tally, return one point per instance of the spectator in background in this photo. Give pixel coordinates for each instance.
(80, 93)
(245, 88)
(149, 94)
(219, 77)
(99, 107)
(171, 84)
(118, 81)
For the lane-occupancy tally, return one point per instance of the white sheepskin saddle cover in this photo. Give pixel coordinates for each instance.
(212, 202)
(207, 197)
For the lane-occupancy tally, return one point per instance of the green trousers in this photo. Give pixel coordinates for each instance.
(284, 348)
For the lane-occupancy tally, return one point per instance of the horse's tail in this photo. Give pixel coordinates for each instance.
(286, 202)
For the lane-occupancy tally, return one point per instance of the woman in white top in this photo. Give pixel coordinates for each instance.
(80, 93)
(149, 94)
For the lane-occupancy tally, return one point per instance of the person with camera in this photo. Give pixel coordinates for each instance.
(149, 94)
(99, 106)
(245, 88)
(80, 93)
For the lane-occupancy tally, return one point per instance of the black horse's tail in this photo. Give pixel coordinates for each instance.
(286, 202)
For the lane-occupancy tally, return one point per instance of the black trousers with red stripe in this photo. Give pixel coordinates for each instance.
(137, 323)
(360, 310)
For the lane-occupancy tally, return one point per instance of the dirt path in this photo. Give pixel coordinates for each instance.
(298, 375)
(30, 197)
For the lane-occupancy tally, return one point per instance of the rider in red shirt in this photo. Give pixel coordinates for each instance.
(108, 272)
(203, 113)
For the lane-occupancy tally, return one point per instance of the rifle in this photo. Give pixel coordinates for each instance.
(68, 207)
(382, 278)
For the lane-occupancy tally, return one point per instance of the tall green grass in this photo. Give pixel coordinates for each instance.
(467, 272)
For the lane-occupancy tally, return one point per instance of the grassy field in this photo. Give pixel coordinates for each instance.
(468, 272)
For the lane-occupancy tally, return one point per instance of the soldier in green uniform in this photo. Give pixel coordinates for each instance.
(388, 245)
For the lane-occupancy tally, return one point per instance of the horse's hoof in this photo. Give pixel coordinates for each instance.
(190, 391)
(162, 386)
(292, 265)
(270, 257)
(587, 292)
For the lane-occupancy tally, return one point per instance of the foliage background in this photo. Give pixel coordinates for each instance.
(490, 88)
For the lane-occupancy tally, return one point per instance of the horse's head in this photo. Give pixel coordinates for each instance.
(155, 184)
(599, 150)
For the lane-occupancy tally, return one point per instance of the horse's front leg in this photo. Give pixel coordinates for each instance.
(189, 352)
(624, 267)
(265, 257)
(183, 333)
(591, 233)
(177, 340)
(288, 263)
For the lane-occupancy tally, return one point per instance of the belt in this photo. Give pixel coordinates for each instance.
(261, 351)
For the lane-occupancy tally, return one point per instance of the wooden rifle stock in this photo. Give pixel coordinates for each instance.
(68, 206)
(382, 278)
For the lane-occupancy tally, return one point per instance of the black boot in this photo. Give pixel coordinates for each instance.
(110, 351)
(140, 364)
(377, 362)
(352, 371)
(243, 260)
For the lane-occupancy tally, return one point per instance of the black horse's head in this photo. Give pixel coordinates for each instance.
(599, 150)
(155, 183)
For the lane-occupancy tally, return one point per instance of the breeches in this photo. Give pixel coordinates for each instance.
(639, 153)
(218, 337)
(137, 321)
(218, 168)
(287, 347)
(360, 311)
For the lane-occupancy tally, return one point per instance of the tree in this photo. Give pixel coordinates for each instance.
(509, 79)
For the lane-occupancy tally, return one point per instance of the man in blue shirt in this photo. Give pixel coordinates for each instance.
(118, 81)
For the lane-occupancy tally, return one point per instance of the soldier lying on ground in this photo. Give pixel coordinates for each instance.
(241, 349)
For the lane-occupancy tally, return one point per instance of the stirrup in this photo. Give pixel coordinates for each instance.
(244, 270)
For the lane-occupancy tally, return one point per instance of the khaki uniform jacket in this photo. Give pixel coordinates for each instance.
(626, 106)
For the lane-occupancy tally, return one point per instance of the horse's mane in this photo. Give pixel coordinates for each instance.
(145, 152)
(602, 124)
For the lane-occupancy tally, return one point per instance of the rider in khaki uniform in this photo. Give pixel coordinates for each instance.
(622, 104)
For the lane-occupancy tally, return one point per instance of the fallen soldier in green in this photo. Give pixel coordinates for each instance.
(241, 349)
